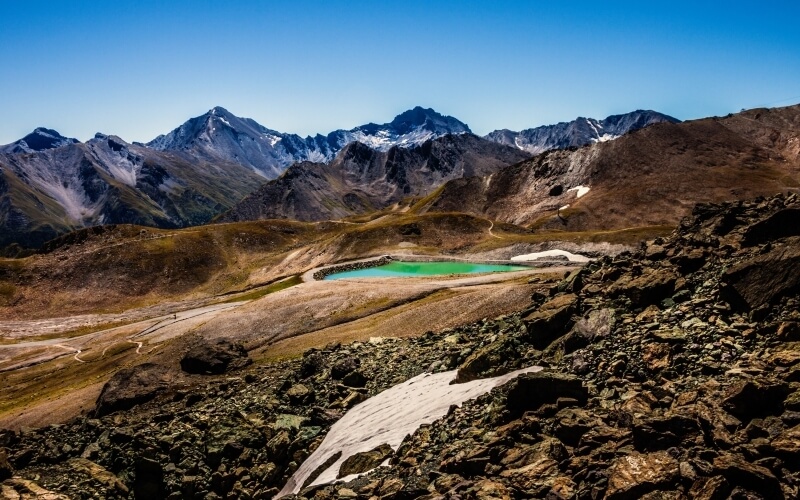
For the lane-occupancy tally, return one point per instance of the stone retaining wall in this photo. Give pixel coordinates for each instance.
(353, 266)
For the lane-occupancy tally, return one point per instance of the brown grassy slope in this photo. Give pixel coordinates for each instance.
(116, 268)
(127, 266)
(121, 267)
(650, 177)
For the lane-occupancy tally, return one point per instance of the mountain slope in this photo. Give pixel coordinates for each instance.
(361, 179)
(649, 177)
(105, 181)
(579, 132)
(221, 136)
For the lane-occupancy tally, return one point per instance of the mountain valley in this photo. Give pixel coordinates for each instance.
(172, 336)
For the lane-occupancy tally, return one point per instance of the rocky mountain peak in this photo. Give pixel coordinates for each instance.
(39, 140)
(579, 132)
(218, 110)
(429, 119)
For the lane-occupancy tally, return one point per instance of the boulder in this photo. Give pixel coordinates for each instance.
(529, 391)
(486, 361)
(664, 431)
(595, 325)
(551, 320)
(355, 379)
(214, 358)
(781, 224)
(789, 331)
(763, 279)
(149, 482)
(229, 438)
(787, 444)
(313, 363)
(792, 402)
(18, 488)
(99, 474)
(344, 366)
(133, 386)
(656, 356)
(650, 287)
(710, 488)
(634, 475)
(540, 479)
(299, 394)
(490, 490)
(750, 399)
(573, 423)
(690, 261)
(524, 454)
(365, 461)
(740, 472)
(6, 471)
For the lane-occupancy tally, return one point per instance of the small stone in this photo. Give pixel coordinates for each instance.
(299, 394)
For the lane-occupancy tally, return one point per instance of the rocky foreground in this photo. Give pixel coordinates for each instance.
(671, 373)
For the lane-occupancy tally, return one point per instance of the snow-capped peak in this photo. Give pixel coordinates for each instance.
(220, 135)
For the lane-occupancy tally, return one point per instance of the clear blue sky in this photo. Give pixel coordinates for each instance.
(138, 69)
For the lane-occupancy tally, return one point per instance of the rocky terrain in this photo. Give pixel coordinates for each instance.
(670, 372)
(578, 132)
(651, 176)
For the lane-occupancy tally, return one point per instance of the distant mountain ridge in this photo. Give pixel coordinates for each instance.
(578, 132)
(51, 184)
(105, 180)
(220, 135)
(650, 177)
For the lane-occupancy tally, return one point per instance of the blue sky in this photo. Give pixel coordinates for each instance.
(138, 69)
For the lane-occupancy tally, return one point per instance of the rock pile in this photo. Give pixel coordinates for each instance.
(672, 373)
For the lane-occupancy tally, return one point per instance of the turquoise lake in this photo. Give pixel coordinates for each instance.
(410, 269)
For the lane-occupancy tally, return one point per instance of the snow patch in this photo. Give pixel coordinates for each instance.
(581, 190)
(388, 417)
(604, 138)
(572, 257)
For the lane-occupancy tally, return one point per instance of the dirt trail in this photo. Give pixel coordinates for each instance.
(153, 331)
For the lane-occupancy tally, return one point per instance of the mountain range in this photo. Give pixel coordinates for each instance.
(653, 176)
(361, 179)
(649, 177)
(51, 184)
(220, 136)
(578, 132)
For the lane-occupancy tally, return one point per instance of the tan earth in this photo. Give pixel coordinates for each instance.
(51, 378)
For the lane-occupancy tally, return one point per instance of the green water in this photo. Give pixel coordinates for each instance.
(409, 269)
